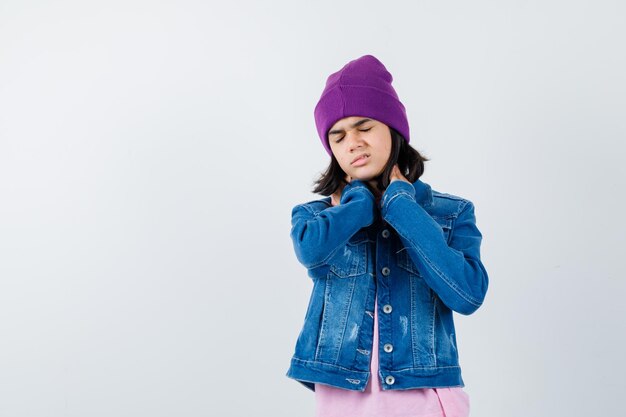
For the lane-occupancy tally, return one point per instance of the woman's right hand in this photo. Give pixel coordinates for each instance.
(336, 196)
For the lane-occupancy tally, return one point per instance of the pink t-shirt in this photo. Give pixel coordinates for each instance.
(374, 402)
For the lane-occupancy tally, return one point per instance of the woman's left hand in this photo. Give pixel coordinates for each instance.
(396, 174)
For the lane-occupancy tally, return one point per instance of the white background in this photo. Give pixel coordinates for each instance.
(151, 152)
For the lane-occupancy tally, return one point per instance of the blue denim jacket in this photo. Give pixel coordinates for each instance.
(419, 252)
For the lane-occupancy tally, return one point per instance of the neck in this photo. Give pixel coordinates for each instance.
(374, 189)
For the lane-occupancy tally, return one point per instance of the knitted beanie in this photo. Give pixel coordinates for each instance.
(361, 88)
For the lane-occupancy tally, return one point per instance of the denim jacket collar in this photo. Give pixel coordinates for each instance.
(423, 193)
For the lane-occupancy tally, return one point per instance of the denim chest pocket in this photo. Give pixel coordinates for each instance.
(351, 259)
(404, 259)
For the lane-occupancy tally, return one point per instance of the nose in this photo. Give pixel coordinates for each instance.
(354, 140)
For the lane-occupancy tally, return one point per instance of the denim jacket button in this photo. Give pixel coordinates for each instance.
(386, 271)
(386, 233)
(388, 347)
(387, 308)
(390, 380)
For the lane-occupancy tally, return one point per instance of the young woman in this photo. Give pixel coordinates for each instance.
(390, 259)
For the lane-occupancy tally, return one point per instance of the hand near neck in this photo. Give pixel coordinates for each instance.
(396, 174)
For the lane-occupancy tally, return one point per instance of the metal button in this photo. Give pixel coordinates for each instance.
(387, 308)
(386, 233)
(388, 347)
(390, 380)
(386, 271)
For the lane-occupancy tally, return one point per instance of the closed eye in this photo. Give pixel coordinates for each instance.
(360, 130)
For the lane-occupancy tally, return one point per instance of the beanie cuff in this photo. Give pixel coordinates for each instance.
(357, 100)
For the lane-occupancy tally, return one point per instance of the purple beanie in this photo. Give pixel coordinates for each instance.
(361, 88)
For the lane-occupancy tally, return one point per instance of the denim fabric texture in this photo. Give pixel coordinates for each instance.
(420, 251)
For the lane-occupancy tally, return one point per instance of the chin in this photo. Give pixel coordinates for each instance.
(365, 176)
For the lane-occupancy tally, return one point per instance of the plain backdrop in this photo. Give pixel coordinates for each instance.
(151, 153)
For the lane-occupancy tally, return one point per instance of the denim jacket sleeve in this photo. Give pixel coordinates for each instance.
(454, 272)
(316, 236)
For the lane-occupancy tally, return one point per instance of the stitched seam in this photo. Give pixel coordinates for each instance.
(399, 193)
(321, 336)
(433, 333)
(345, 314)
(447, 196)
(328, 364)
(309, 209)
(296, 359)
(424, 367)
(413, 331)
(357, 187)
(461, 208)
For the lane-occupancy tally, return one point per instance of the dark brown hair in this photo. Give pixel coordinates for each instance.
(409, 160)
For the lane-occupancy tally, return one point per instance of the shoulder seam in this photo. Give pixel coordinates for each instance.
(467, 203)
(447, 196)
(307, 205)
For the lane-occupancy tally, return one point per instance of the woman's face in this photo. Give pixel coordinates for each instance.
(356, 136)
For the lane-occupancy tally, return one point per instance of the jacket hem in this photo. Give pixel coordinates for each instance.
(308, 373)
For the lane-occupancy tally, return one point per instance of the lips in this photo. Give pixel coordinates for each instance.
(358, 157)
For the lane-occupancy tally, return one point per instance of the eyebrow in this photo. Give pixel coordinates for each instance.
(359, 123)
